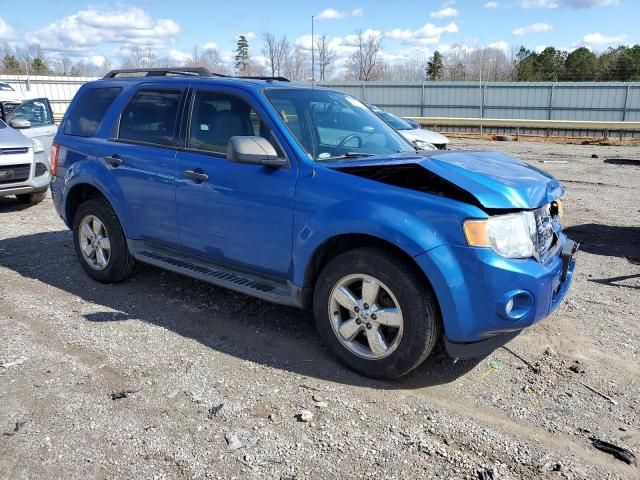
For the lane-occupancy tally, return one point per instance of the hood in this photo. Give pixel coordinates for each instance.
(11, 138)
(494, 180)
(425, 135)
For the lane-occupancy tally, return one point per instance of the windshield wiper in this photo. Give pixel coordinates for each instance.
(347, 155)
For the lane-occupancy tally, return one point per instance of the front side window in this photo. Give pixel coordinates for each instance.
(84, 118)
(331, 125)
(151, 117)
(35, 111)
(5, 87)
(217, 116)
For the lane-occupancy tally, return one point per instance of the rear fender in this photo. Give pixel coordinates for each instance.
(95, 174)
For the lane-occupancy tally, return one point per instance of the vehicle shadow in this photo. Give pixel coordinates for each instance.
(612, 241)
(229, 322)
(11, 204)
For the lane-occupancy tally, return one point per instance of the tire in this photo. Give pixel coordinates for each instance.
(120, 262)
(32, 198)
(420, 322)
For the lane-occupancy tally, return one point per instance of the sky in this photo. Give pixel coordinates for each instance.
(411, 29)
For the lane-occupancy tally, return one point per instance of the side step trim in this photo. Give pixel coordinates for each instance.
(254, 285)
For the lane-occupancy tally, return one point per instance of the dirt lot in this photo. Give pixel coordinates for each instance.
(212, 370)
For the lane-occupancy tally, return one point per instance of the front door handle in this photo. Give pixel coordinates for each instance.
(113, 160)
(195, 175)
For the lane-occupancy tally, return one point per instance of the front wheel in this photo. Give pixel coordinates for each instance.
(375, 313)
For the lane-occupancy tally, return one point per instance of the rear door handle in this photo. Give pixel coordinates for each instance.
(194, 175)
(113, 160)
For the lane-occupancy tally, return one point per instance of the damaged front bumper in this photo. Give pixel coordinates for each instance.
(486, 300)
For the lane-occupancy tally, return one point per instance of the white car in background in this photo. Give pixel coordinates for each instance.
(420, 137)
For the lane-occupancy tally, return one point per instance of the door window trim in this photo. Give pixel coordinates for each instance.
(181, 105)
(222, 156)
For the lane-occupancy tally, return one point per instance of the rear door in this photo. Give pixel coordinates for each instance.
(141, 156)
(39, 113)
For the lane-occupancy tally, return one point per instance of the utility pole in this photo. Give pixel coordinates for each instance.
(313, 63)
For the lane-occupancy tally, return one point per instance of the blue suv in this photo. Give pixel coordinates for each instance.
(302, 196)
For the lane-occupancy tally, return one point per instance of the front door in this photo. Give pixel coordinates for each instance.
(141, 157)
(234, 213)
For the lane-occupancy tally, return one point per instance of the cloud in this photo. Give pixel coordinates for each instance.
(445, 12)
(89, 28)
(333, 14)
(500, 45)
(567, 3)
(599, 39)
(6, 31)
(427, 34)
(210, 46)
(179, 56)
(534, 28)
(330, 14)
(248, 35)
(491, 5)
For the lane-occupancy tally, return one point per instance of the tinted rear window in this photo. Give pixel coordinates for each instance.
(151, 117)
(85, 117)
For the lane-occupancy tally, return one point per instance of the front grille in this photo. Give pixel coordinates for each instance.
(14, 173)
(546, 237)
(41, 169)
(13, 150)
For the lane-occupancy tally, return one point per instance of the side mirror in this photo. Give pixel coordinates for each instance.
(20, 124)
(254, 150)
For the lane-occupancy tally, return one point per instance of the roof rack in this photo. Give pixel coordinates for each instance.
(259, 77)
(162, 72)
(179, 71)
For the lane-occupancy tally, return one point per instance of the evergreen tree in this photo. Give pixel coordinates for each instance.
(550, 65)
(38, 67)
(435, 67)
(628, 64)
(10, 64)
(525, 64)
(242, 55)
(581, 66)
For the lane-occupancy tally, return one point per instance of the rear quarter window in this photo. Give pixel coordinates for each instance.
(84, 118)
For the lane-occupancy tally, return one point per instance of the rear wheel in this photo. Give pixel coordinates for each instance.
(30, 198)
(375, 313)
(100, 243)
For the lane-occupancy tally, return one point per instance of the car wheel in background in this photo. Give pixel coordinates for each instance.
(30, 198)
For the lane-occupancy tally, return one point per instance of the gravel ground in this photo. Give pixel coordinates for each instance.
(219, 385)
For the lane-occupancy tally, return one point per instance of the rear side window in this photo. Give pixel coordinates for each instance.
(85, 117)
(151, 117)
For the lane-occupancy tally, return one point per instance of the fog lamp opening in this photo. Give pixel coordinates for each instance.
(515, 305)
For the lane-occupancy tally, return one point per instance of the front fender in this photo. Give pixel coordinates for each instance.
(404, 230)
(95, 174)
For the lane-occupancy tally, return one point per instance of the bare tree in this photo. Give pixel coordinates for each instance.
(209, 58)
(297, 65)
(276, 52)
(326, 57)
(141, 58)
(364, 63)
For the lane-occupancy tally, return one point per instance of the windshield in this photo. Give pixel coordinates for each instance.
(331, 125)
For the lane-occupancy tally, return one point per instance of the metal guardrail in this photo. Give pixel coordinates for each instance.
(541, 124)
(562, 128)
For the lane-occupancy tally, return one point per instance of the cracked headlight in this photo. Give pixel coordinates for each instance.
(422, 145)
(512, 235)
